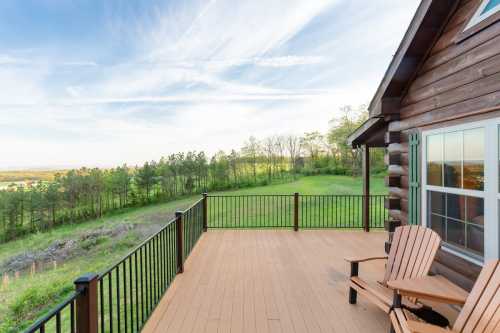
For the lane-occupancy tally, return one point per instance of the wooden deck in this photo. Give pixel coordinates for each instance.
(272, 281)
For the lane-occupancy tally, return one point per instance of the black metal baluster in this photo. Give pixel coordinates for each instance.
(162, 261)
(136, 292)
(131, 294)
(143, 297)
(125, 314)
(150, 285)
(118, 319)
(110, 300)
(58, 322)
(155, 265)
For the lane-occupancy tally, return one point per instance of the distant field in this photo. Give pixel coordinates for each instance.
(27, 175)
(97, 244)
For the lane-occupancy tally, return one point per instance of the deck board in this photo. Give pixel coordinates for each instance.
(271, 281)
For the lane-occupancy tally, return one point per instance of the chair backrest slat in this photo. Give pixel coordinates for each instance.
(481, 312)
(396, 239)
(430, 253)
(417, 247)
(397, 252)
(420, 262)
(412, 252)
(408, 251)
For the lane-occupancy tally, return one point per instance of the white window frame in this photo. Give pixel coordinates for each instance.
(490, 193)
(478, 17)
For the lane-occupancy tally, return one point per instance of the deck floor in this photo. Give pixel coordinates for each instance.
(272, 281)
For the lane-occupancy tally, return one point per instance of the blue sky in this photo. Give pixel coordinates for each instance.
(101, 83)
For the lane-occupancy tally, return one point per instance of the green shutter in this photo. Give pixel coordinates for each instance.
(414, 178)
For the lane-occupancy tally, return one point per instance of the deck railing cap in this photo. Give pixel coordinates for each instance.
(86, 278)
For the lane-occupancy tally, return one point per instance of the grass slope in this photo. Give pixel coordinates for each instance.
(24, 299)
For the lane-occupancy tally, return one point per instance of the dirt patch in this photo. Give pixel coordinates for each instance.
(64, 249)
(57, 251)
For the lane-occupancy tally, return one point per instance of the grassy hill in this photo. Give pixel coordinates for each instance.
(92, 246)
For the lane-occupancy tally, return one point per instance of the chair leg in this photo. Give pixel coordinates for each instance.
(353, 294)
(392, 330)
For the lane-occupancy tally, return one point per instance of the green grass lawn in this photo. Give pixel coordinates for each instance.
(324, 202)
(324, 184)
(24, 299)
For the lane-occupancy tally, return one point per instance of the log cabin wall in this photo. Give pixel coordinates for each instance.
(458, 80)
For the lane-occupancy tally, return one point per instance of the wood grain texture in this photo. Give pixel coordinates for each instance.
(458, 82)
(431, 287)
(272, 281)
(479, 314)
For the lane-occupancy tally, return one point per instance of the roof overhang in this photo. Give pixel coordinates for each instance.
(370, 133)
(424, 30)
(425, 27)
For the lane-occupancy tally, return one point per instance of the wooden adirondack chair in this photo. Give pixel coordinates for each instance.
(480, 313)
(412, 253)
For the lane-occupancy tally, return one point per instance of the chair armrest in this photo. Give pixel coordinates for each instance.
(363, 259)
(432, 288)
(420, 327)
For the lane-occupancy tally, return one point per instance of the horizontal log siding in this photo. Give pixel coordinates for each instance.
(456, 83)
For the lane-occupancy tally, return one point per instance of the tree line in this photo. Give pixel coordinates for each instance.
(87, 193)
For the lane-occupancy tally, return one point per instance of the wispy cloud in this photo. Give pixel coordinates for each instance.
(195, 74)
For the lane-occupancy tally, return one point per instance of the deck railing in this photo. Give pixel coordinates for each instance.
(122, 298)
(295, 211)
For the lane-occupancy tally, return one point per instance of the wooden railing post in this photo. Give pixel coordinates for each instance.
(296, 211)
(180, 246)
(366, 188)
(86, 304)
(205, 208)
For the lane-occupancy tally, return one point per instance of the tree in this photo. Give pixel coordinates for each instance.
(268, 146)
(250, 152)
(340, 129)
(313, 144)
(145, 178)
(293, 146)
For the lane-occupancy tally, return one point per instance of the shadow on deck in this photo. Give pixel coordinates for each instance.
(272, 281)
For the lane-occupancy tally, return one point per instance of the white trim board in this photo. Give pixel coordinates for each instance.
(490, 194)
(480, 16)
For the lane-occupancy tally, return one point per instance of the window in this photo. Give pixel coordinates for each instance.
(456, 159)
(458, 219)
(461, 188)
(491, 7)
(487, 11)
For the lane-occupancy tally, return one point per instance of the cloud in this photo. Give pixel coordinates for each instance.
(288, 61)
(6, 59)
(79, 64)
(193, 74)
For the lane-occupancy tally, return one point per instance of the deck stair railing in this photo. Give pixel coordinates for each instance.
(122, 298)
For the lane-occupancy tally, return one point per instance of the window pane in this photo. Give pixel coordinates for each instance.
(475, 210)
(455, 205)
(453, 159)
(437, 203)
(435, 160)
(455, 232)
(491, 5)
(475, 238)
(438, 225)
(474, 159)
